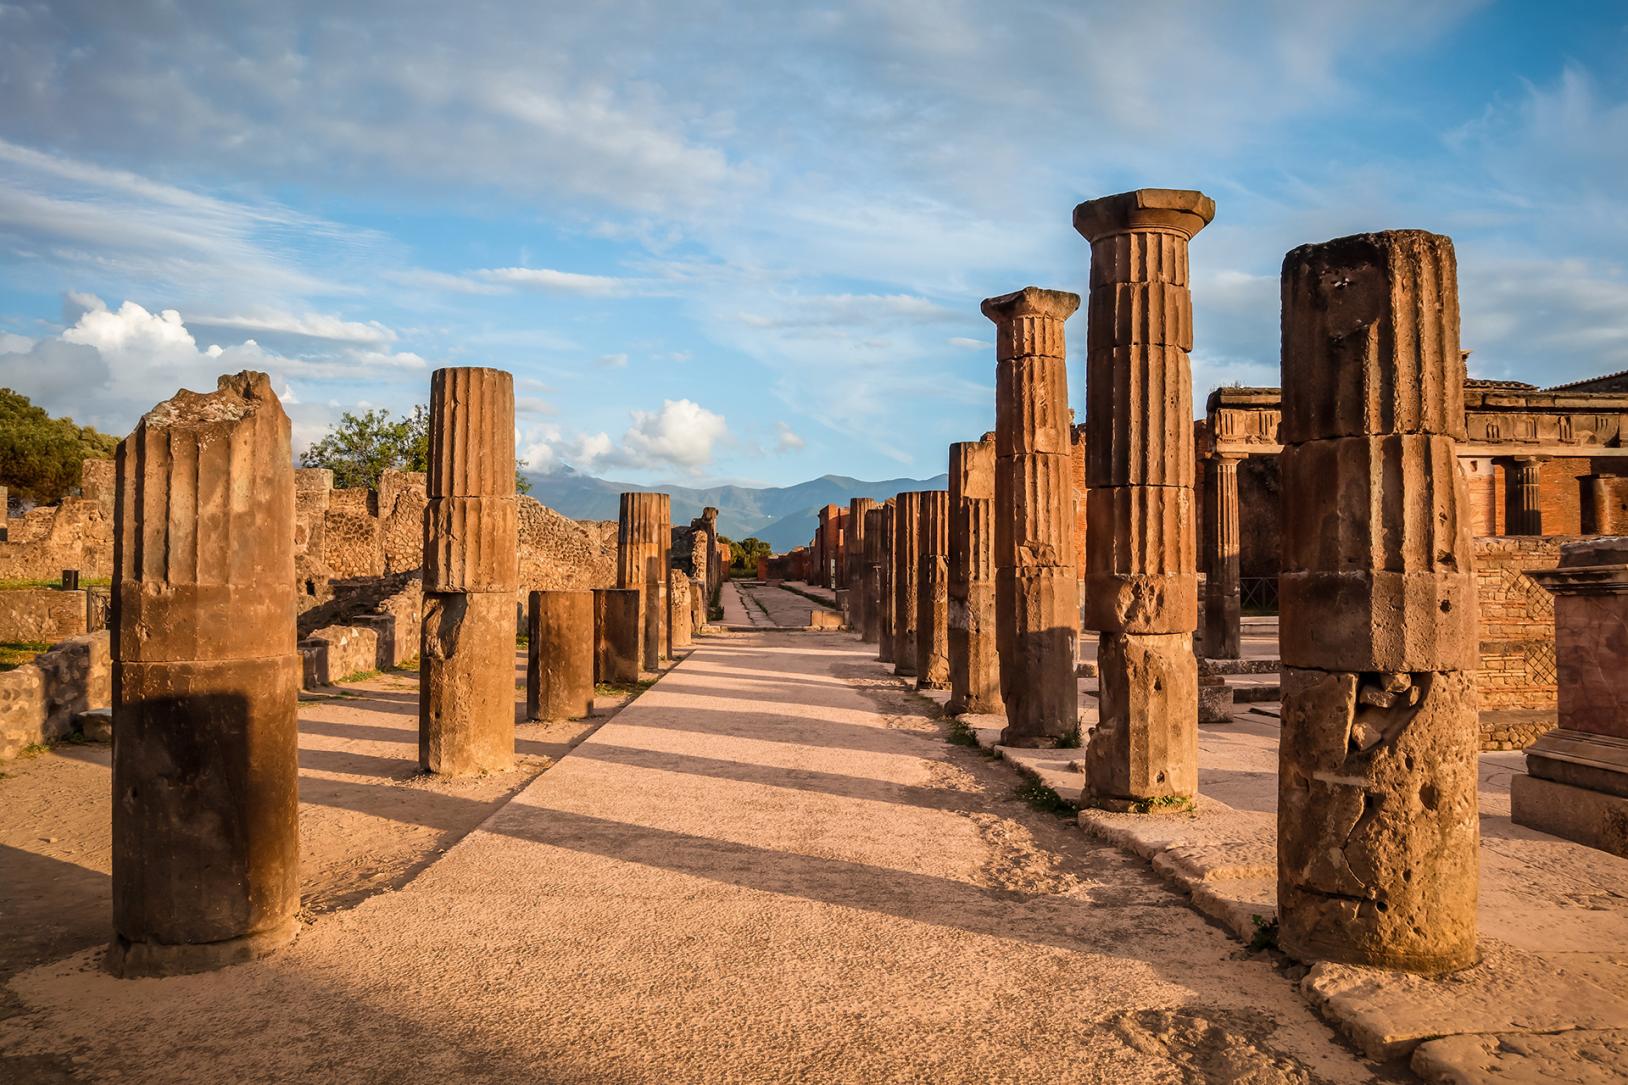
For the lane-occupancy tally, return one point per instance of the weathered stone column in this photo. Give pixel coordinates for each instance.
(205, 680)
(1035, 593)
(1221, 603)
(871, 629)
(698, 605)
(1524, 494)
(1597, 519)
(1377, 818)
(466, 655)
(1141, 555)
(678, 609)
(854, 547)
(642, 542)
(933, 593)
(906, 580)
(618, 635)
(885, 601)
(560, 655)
(975, 671)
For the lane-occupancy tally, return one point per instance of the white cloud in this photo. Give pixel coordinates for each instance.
(611, 361)
(682, 433)
(555, 282)
(845, 311)
(306, 325)
(966, 343)
(787, 439)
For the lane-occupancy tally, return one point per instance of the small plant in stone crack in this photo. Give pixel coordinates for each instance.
(961, 733)
(1043, 798)
(1071, 741)
(1265, 936)
(1164, 804)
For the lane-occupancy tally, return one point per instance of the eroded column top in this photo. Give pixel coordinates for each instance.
(1171, 210)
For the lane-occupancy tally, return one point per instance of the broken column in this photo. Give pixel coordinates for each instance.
(642, 542)
(975, 671)
(1222, 633)
(466, 696)
(559, 655)
(906, 580)
(1377, 816)
(933, 593)
(618, 635)
(1141, 583)
(884, 583)
(870, 630)
(1035, 593)
(678, 609)
(205, 681)
(854, 547)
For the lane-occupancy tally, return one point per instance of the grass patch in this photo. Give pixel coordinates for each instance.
(1265, 936)
(1164, 804)
(962, 733)
(357, 676)
(407, 666)
(84, 582)
(1042, 798)
(1070, 741)
(522, 642)
(15, 653)
(622, 689)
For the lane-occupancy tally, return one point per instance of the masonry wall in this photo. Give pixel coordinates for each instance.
(1517, 668)
(40, 701)
(42, 615)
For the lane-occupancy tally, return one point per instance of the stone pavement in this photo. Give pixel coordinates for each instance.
(769, 867)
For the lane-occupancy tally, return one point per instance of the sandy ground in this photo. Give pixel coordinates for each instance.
(770, 867)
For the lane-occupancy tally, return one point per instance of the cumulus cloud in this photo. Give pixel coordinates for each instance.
(786, 439)
(682, 434)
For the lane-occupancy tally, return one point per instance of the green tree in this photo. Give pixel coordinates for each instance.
(40, 456)
(361, 447)
(744, 554)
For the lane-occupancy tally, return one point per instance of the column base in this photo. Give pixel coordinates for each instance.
(144, 960)
(1580, 814)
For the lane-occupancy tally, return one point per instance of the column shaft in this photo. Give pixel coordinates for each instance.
(854, 550)
(643, 538)
(974, 659)
(885, 601)
(871, 629)
(933, 593)
(618, 636)
(906, 580)
(1221, 527)
(1524, 515)
(559, 655)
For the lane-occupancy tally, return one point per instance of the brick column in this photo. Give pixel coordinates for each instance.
(1523, 489)
(933, 593)
(466, 654)
(1035, 594)
(643, 537)
(1221, 603)
(1142, 569)
(205, 680)
(1377, 817)
(906, 580)
(870, 585)
(975, 673)
(854, 549)
(559, 655)
(884, 583)
(1597, 505)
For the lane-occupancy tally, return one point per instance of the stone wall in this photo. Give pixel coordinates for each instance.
(1517, 633)
(76, 534)
(373, 626)
(42, 615)
(40, 701)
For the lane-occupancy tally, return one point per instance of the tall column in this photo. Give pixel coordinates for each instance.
(906, 580)
(870, 583)
(466, 696)
(1036, 598)
(559, 655)
(618, 635)
(1221, 602)
(933, 593)
(885, 602)
(975, 672)
(642, 541)
(205, 680)
(1597, 505)
(1141, 560)
(678, 610)
(854, 547)
(1524, 496)
(1377, 819)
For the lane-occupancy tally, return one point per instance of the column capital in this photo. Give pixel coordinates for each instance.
(1175, 210)
(1031, 301)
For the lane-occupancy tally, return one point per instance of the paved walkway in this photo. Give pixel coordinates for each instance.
(770, 867)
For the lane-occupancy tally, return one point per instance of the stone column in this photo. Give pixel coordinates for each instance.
(871, 629)
(1221, 602)
(698, 605)
(1576, 781)
(1377, 819)
(1597, 505)
(975, 671)
(618, 635)
(1035, 594)
(885, 602)
(466, 697)
(678, 609)
(1523, 513)
(560, 655)
(854, 547)
(1141, 560)
(906, 580)
(205, 680)
(933, 593)
(642, 541)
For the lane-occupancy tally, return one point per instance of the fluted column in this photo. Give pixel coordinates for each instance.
(466, 693)
(1221, 544)
(205, 681)
(1597, 518)
(1141, 557)
(643, 538)
(885, 602)
(870, 572)
(933, 593)
(906, 580)
(975, 674)
(1035, 592)
(1524, 510)
(854, 547)
(1377, 814)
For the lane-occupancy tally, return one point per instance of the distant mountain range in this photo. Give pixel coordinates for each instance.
(782, 516)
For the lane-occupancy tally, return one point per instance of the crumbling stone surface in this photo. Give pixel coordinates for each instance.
(40, 700)
(1145, 745)
(466, 636)
(679, 613)
(617, 637)
(1143, 565)
(41, 615)
(933, 593)
(906, 580)
(1037, 668)
(560, 655)
(205, 680)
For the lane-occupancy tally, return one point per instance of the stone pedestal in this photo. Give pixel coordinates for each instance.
(1141, 556)
(205, 681)
(1221, 591)
(870, 631)
(466, 653)
(559, 655)
(1377, 818)
(933, 593)
(643, 539)
(618, 639)
(885, 602)
(1577, 775)
(1524, 512)
(906, 580)
(1035, 594)
(975, 673)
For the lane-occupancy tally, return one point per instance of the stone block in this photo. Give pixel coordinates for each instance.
(1031, 406)
(1377, 819)
(616, 635)
(1581, 759)
(1142, 234)
(1145, 744)
(1378, 621)
(466, 677)
(559, 655)
(42, 615)
(1033, 511)
(1370, 338)
(1139, 407)
(1594, 818)
(471, 450)
(95, 724)
(1141, 556)
(1215, 699)
(975, 670)
(1152, 313)
(1036, 618)
(470, 544)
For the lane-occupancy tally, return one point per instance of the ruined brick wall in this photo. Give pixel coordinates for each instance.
(558, 553)
(1517, 622)
(73, 535)
(39, 701)
(1560, 492)
(42, 615)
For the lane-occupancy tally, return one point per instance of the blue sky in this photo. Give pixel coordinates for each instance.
(747, 242)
